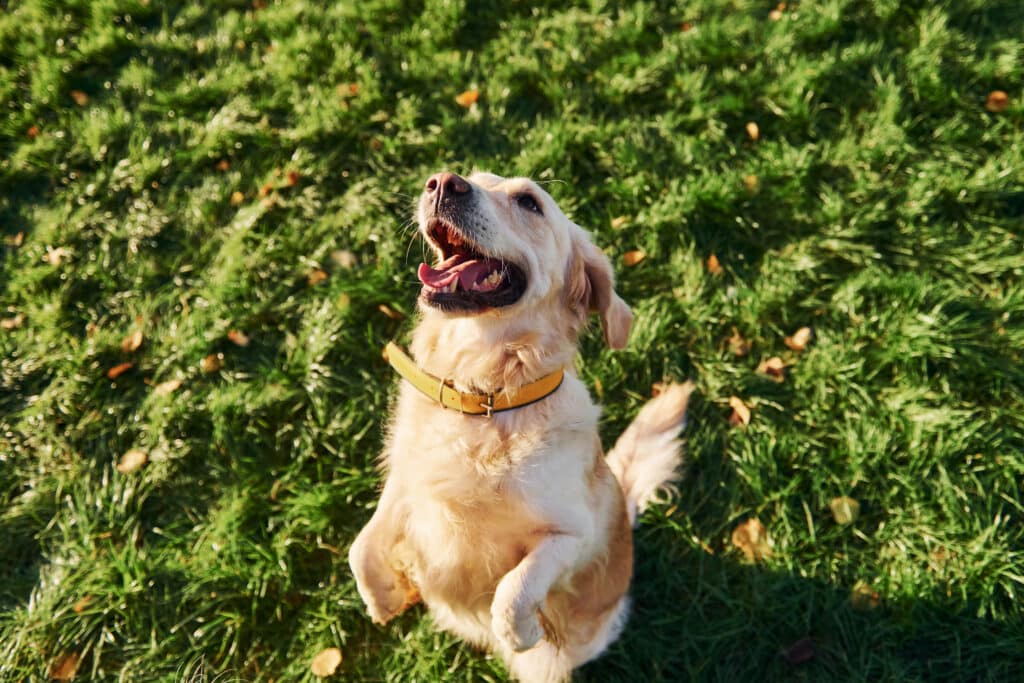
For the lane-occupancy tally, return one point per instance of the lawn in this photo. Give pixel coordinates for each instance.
(206, 240)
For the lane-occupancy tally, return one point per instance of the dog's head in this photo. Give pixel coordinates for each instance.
(505, 249)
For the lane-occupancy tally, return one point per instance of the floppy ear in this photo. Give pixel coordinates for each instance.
(592, 289)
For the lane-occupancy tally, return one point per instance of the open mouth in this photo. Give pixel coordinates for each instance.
(466, 279)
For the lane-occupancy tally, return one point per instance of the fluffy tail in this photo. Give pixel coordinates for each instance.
(647, 456)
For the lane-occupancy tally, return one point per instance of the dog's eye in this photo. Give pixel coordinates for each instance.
(527, 202)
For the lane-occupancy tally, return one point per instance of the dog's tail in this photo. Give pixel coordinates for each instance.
(647, 456)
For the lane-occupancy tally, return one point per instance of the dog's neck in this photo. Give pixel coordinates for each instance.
(486, 353)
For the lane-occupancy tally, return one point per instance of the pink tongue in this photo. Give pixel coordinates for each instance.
(468, 271)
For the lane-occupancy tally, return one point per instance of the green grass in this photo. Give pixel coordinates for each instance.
(887, 215)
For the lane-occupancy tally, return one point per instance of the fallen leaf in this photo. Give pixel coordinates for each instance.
(863, 597)
(132, 342)
(12, 323)
(315, 277)
(118, 370)
(714, 267)
(326, 662)
(56, 256)
(65, 667)
(686, 27)
(80, 98)
(845, 510)
(80, 606)
(799, 652)
(293, 178)
(631, 258)
(467, 98)
(15, 240)
(752, 539)
(132, 460)
(212, 363)
(740, 412)
(619, 222)
(266, 189)
(168, 387)
(800, 339)
(238, 338)
(753, 130)
(390, 312)
(738, 345)
(997, 101)
(33, 132)
(223, 165)
(774, 368)
(344, 258)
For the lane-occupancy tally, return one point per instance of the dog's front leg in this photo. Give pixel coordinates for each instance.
(382, 585)
(515, 610)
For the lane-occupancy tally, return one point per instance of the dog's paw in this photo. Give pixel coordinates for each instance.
(514, 621)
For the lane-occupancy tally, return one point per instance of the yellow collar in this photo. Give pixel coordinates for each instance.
(444, 393)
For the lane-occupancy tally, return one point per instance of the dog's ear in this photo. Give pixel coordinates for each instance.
(591, 288)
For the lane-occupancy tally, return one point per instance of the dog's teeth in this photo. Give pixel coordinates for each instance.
(454, 285)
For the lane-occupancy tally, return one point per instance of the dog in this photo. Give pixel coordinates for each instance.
(499, 510)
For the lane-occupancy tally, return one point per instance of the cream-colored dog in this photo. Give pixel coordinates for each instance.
(511, 525)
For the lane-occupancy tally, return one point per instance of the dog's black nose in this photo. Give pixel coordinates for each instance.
(447, 185)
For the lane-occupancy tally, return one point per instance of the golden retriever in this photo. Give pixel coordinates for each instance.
(512, 527)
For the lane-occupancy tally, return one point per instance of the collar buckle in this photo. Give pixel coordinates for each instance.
(489, 406)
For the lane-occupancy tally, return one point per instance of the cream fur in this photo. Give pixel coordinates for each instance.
(513, 530)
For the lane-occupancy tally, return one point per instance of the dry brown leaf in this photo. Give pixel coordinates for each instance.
(799, 652)
(344, 258)
(55, 256)
(390, 312)
(845, 510)
(12, 323)
(315, 277)
(467, 98)
(774, 368)
(631, 258)
(326, 662)
(64, 667)
(740, 412)
(266, 189)
(168, 387)
(15, 240)
(753, 130)
(619, 222)
(863, 597)
(997, 101)
(738, 345)
(238, 338)
(80, 606)
(132, 460)
(292, 177)
(212, 363)
(686, 27)
(223, 165)
(751, 538)
(80, 98)
(800, 339)
(714, 267)
(132, 342)
(118, 370)
(33, 132)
